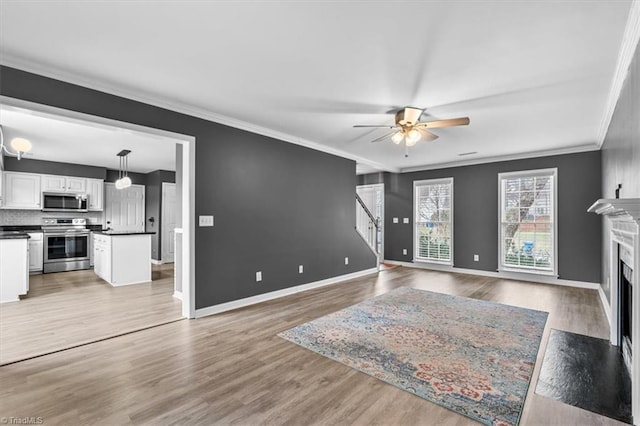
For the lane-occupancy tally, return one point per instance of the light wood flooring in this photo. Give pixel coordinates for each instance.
(66, 309)
(232, 368)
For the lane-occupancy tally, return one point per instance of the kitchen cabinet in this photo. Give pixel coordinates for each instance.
(52, 183)
(14, 269)
(122, 259)
(95, 191)
(36, 252)
(22, 191)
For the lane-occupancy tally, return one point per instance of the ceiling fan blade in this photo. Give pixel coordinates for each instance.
(382, 137)
(428, 136)
(462, 121)
(383, 126)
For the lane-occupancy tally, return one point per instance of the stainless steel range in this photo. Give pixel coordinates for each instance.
(66, 244)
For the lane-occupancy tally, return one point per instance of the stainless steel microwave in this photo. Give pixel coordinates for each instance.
(64, 202)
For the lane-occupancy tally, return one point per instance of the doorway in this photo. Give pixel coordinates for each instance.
(373, 198)
(122, 309)
(168, 218)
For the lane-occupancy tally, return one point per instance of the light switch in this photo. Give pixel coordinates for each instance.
(205, 220)
(405, 220)
(395, 220)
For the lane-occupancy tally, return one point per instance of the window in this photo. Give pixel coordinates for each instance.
(433, 207)
(528, 221)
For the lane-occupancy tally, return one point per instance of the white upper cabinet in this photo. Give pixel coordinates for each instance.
(22, 191)
(95, 191)
(52, 183)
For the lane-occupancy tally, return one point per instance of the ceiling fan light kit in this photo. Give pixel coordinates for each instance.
(411, 130)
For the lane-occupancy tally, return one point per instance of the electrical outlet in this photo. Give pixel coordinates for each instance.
(346, 260)
(405, 220)
(476, 258)
(395, 220)
(258, 276)
(205, 220)
(404, 252)
(300, 269)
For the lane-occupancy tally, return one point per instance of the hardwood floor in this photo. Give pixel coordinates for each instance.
(67, 309)
(232, 368)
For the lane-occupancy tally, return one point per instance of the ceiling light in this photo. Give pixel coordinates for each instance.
(413, 137)
(397, 137)
(124, 181)
(19, 145)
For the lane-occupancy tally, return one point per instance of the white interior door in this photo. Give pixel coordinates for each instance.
(373, 197)
(124, 209)
(168, 222)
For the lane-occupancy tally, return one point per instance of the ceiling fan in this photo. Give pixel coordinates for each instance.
(410, 130)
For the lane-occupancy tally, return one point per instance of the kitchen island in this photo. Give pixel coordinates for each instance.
(122, 258)
(14, 265)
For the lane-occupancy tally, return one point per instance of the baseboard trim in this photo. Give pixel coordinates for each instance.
(177, 294)
(605, 304)
(505, 275)
(223, 307)
(156, 262)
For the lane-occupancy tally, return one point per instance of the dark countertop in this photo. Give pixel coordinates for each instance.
(23, 228)
(119, 233)
(13, 235)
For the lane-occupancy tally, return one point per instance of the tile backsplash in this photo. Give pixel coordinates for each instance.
(34, 217)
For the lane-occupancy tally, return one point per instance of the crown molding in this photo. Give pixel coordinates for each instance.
(179, 107)
(625, 57)
(497, 159)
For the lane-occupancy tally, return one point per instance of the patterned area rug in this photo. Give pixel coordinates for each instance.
(470, 356)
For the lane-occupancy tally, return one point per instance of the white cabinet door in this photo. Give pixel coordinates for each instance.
(74, 184)
(22, 191)
(95, 191)
(51, 183)
(36, 254)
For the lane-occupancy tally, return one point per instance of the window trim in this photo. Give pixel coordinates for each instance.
(416, 183)
(553, 172)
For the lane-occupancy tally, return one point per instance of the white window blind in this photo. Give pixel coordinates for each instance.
(528, 221)
(433, 221)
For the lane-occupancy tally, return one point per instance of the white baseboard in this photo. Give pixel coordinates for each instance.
(216, 309)
(156, 262)
(605, 304)
(177, 294)
(543, 279)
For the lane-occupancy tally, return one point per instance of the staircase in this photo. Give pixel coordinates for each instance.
(367, 226)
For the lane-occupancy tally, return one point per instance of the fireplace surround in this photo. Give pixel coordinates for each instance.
(624, 269)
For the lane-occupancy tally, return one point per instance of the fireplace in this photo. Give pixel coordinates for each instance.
(624, 267)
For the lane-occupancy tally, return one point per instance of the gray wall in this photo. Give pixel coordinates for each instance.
(621, 154)
(475, 218)
(276, 205)
(27, 165)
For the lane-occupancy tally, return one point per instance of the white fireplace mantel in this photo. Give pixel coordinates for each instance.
(624, 214)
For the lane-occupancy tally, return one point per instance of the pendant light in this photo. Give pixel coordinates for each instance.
(124, 181)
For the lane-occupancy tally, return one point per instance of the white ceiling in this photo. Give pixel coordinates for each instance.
(533, 76)
(67, 140)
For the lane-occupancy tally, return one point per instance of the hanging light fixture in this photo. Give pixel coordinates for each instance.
(397, 137)
(124, 181)
(413, 136)
(19, 145)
